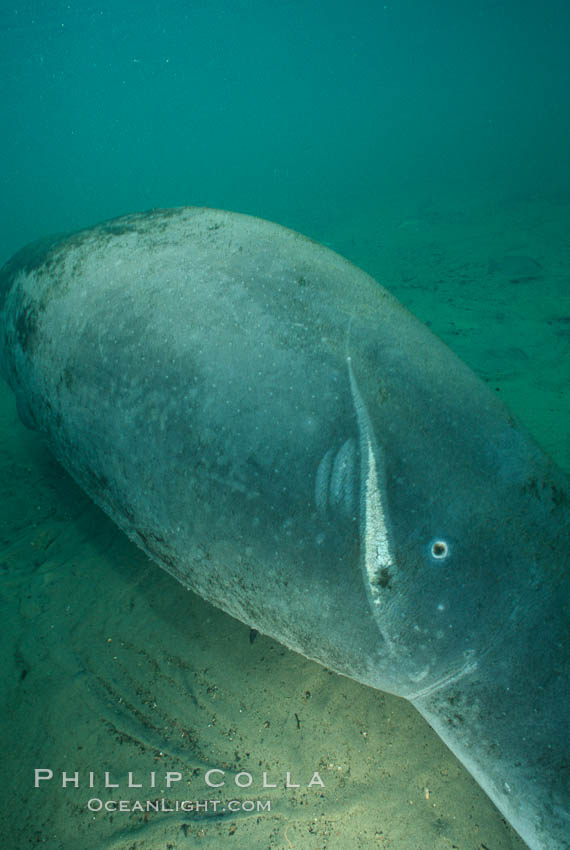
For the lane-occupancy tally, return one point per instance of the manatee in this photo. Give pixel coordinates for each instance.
(276, 431)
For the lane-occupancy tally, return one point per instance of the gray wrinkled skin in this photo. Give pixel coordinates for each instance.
(274, 429)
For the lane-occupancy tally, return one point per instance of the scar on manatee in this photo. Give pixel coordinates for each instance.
(439, 549)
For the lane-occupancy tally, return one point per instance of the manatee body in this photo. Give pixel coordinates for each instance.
(276, 431)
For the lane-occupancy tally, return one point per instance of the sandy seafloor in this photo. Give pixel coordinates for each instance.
(112, 666)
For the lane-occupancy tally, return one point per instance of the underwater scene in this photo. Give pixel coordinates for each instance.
(285, 536)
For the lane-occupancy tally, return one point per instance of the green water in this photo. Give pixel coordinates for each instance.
(303, 112)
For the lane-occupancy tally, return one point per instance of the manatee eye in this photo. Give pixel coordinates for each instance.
(439, 549)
